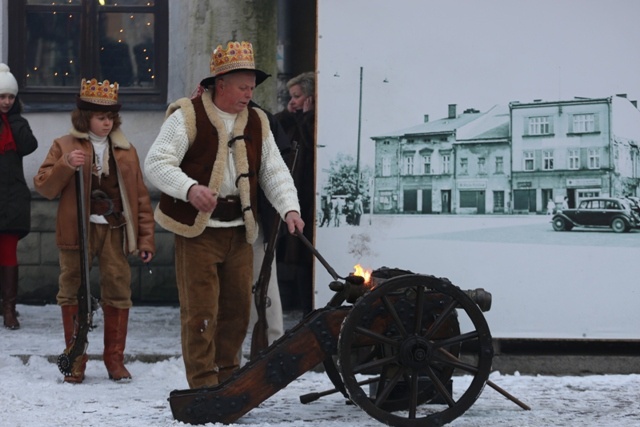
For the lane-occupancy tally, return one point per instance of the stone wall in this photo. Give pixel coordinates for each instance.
(39, 267)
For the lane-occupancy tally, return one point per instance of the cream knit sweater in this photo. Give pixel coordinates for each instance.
(162, 169)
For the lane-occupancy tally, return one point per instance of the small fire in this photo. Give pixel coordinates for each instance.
(362, 272)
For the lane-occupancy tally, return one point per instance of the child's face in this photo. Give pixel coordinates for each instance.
(6, 102)
(101, 124)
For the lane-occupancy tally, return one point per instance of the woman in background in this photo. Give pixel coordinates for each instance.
(298, 122)
(16, 141)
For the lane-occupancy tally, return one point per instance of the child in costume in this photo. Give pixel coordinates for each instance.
(120, 216)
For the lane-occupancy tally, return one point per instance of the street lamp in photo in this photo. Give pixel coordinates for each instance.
(359, 132)
(359, 128)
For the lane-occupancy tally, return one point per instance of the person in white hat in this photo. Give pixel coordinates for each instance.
(210, 157)
(16, 141)
(119, 212)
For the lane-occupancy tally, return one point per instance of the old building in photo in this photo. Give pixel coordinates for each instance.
(578, 148)
(483, 159)
(510, 159)
(415, 167)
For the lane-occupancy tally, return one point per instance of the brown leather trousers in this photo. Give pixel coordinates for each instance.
(214, 275)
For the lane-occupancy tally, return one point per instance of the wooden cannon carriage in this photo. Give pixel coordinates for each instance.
(392, 346)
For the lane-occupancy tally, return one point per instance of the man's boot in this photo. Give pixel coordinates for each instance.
(115, 338)
(9, 280)
(70, 326)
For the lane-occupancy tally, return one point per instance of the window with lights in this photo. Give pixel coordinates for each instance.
(54, 45)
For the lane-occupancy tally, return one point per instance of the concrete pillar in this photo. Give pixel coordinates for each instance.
(211, 23)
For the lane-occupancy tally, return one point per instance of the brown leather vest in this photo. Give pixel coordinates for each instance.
(108, 184)
(199, 158)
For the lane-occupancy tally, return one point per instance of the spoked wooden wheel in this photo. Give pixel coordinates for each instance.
(404, 337)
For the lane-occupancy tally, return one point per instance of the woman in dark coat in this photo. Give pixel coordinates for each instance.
(16, 141)
(298, 121)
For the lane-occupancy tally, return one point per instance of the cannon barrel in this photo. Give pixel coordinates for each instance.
(480, 297)
(354, 287)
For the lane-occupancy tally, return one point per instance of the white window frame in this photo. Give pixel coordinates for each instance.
(528, 157)
(584, 123)
(407, 165)
(386, 166)
(547, 160)
(426, 164)
(539, 125)
(593, 155)
(499, 164)
(446, 163)
(482, 165)
(574, 159)
(464, 166)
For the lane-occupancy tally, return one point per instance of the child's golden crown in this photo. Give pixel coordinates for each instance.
(103, 93)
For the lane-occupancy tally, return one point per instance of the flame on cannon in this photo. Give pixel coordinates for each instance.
(359, 270)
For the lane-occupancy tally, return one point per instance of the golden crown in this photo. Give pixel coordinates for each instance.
(237, 55)
(103, 93)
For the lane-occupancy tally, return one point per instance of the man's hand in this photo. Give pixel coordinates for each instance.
(294, 222)
(202, 198)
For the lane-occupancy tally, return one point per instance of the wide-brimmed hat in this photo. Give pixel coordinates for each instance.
(96, 96)
(238, 56)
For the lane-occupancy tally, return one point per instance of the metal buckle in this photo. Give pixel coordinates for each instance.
(103, 197)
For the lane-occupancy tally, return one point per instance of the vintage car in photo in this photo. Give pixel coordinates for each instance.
(612, 212)
(634, 202)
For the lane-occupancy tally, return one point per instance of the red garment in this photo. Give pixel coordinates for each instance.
(9, 249)
(7, 143)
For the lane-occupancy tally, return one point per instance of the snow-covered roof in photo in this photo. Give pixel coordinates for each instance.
(445, 125)
(493, 124)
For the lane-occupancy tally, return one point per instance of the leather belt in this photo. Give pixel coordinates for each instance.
(227, 209)
(101, 204)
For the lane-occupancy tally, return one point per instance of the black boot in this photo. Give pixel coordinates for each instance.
(9, 280)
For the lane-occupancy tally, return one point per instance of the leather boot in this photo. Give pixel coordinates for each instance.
(9, 282)
(70, 326)
(115, 338)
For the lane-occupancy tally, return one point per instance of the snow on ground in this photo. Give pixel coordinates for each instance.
(33, 394)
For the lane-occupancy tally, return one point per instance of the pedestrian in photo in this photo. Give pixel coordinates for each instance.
(327, 211)
(208, 160)
(336, 214)
(358, 210)
(565, 203)
(16, 142)
(551, 206)
(119, 212)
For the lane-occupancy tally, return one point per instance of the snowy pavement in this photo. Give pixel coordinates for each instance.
(35, 396)
(491, 252)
